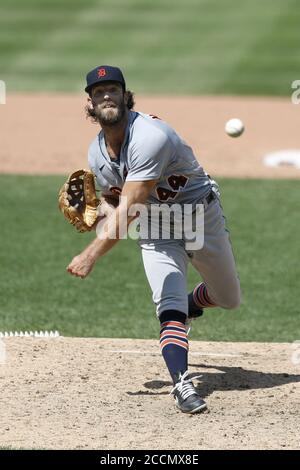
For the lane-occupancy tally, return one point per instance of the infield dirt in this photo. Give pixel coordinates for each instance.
(78, 393)
(49, 133)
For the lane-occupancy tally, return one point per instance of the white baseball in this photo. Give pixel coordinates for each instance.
(234, 127)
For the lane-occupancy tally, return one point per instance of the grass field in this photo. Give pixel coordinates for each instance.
(115, 301)
(196, 46)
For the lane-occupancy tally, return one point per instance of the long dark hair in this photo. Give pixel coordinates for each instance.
(90, 113)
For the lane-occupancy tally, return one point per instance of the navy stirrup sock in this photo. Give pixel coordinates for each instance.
(174, 343)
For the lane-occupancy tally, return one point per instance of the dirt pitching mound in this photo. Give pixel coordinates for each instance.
(78, 393)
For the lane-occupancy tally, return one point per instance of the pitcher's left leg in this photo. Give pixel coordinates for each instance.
(216, 264)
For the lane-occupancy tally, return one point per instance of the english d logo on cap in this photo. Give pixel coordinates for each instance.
(101, 72)
(104, 73)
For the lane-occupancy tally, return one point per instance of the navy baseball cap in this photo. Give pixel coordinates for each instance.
(104, 73)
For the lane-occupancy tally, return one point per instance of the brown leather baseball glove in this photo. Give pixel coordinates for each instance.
(78, 200)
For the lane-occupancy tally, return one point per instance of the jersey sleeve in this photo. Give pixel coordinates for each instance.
(94, 167)
(149, 156)
(92, 156)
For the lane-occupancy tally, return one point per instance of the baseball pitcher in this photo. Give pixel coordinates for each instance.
(140, 161)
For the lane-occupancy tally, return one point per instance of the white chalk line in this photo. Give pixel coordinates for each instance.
(133, 351)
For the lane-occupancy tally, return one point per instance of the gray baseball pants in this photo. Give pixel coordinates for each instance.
(166, 263)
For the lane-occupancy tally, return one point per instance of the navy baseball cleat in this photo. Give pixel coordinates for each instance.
(194, 310)
(186, 396)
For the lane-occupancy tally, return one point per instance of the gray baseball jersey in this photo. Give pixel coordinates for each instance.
(151, 150)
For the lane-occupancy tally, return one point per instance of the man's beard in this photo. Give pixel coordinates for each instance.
(111, 116)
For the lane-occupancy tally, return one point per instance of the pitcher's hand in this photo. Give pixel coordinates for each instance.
(81, 265)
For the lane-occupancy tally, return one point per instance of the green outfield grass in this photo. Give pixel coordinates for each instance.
(194, 46)
(115, 301)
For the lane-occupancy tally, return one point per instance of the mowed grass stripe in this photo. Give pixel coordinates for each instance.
(269, 65)
(203, 46)
(115, 300)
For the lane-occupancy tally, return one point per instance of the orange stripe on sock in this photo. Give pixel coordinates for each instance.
(176, 324)
(201, 297)
(173, 333)
(177, 342)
